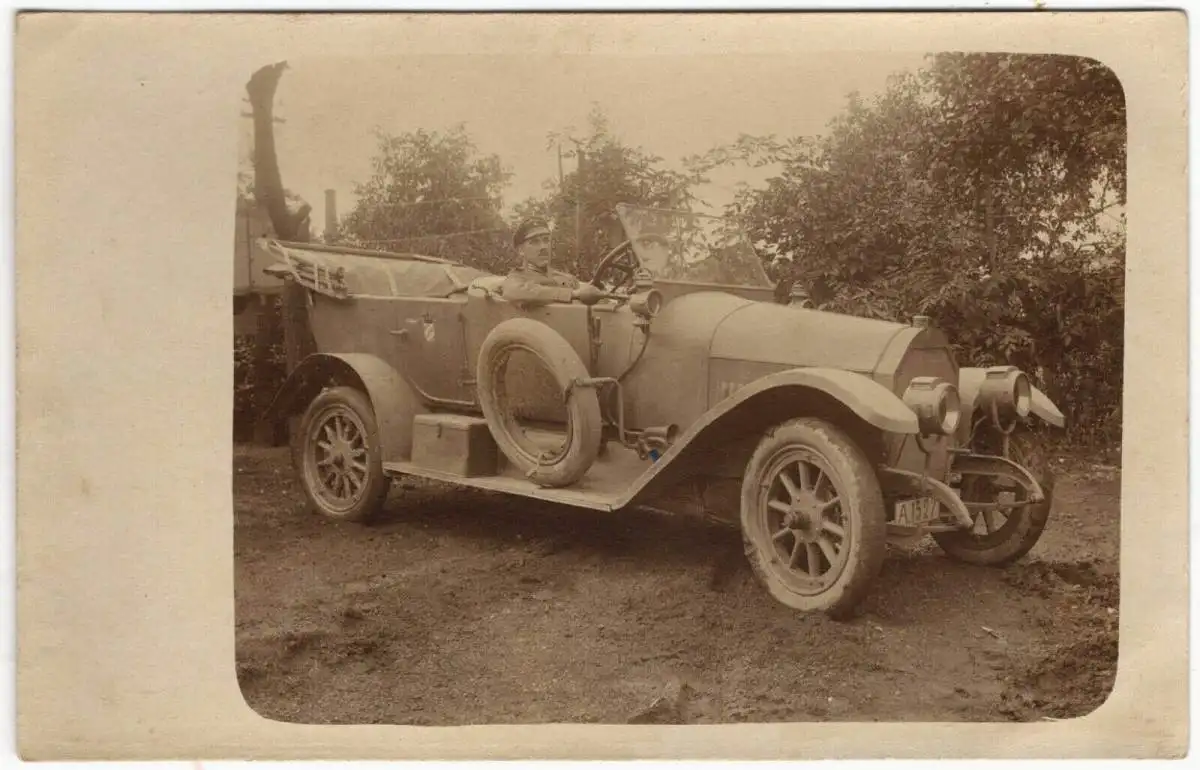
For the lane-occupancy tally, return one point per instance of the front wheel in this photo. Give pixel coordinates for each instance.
(1002, 535)
(813, 518)
(341, 467)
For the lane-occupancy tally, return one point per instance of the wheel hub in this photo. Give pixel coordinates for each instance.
(804, 518)
(339, 457)
(340, 452)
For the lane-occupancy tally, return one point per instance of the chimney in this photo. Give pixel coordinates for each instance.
(330, 214)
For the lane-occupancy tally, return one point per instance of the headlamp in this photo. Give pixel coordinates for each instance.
(936, 403)
(1006, 394)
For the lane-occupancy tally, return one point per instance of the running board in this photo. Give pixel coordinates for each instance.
(459, 450)
(582, 494)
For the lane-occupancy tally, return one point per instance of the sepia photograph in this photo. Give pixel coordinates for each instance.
(678, 389)
(776, 386)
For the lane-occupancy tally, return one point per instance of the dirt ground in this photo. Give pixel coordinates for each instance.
(463, 607)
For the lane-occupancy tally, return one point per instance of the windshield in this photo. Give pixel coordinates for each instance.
(682, 246)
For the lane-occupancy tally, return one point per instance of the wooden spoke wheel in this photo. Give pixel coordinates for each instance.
(340, 463)
(813, 517)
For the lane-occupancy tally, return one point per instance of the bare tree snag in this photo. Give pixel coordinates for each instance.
(270, 194)
(268, 183)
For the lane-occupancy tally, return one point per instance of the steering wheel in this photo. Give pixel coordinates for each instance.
(620, 259)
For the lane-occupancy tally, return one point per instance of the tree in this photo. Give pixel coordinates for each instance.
(977, 190)
(1040, 138)
(247, 196)
(291, 309)
(607, 172)
(268, 182)
(431, 192)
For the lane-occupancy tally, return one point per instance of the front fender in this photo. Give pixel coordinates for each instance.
(874, 403)
(1043, 407)
(393, 400)
(999, 468)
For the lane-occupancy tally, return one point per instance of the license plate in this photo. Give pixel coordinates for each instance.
(911, 513)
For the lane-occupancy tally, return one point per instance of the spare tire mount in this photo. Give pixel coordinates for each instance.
(584, 424)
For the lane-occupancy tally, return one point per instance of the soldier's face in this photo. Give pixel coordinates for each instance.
(536, 249)
(654, 252)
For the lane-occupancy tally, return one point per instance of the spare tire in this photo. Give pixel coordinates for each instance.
(583, 436)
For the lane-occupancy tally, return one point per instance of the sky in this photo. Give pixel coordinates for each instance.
(671, 106)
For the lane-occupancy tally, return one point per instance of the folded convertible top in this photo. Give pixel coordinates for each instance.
(344, 273)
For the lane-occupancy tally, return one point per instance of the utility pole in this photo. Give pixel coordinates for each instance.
(578, 205)
(561, 187)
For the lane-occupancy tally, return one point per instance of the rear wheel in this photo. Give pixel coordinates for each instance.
(813, 518)
(341, 467)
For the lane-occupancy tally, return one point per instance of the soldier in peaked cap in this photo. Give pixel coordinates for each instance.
(534, 282)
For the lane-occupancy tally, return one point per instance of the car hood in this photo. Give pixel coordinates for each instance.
(788, 336)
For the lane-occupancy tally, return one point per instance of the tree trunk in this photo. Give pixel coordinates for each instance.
(989, 225)
(265, 383)
(269, 192)
(298, 339)
(268, 183)
(298, 342)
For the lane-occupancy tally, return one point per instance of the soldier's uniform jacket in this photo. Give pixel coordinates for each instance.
(531, 287)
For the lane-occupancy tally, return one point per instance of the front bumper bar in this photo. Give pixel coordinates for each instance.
(996, 467)
(962, 513)
(908, 482)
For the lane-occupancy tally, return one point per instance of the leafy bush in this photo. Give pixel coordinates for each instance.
(246, 409)
(979, 191)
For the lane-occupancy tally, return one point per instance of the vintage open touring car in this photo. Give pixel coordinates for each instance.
(688, 388)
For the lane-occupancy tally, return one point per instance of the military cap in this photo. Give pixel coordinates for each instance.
(527, 227)
(655, 230)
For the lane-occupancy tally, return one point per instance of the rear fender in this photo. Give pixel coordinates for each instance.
(392, 398)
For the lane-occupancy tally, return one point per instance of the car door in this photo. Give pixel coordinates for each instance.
(534, 394)
(429, 344)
